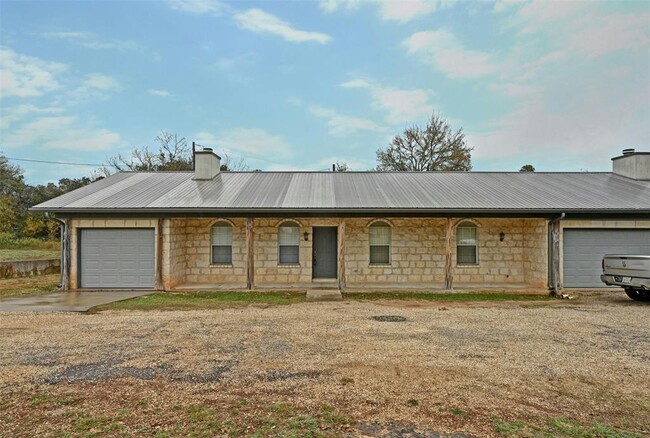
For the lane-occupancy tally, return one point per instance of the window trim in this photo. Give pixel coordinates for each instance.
(383, 224)
(220, 224)
(288, 223)
(468, 224)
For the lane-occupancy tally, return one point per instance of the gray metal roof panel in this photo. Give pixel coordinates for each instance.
(277, 191)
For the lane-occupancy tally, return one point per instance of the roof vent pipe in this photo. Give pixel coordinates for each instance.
(207, 164)
(628, 151)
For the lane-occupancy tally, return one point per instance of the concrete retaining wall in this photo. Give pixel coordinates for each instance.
(12, 269)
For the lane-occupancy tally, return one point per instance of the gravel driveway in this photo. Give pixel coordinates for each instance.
(427, 367)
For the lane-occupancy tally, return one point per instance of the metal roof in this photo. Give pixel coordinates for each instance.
(277, 192)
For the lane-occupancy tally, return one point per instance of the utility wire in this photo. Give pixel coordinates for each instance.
(54, 162)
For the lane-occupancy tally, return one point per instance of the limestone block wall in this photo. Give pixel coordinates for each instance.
(174, 263)
(417, 252)
(196, 243)
(499, 262)
(76, 224)
(536, 252)
(268, 272)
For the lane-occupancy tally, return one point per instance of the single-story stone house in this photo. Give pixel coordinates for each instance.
(253, 230)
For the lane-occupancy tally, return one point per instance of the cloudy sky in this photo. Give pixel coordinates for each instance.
(563, 85)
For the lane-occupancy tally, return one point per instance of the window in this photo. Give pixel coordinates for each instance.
(466, 247)
(289, 244)
(379, 243)
(222, 244)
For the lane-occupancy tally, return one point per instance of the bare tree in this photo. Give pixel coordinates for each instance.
(341, 166)
(436, 147)
(173, 154)
(232, 165)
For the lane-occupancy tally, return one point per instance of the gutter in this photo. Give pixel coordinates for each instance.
(553, 255)
(443, 212)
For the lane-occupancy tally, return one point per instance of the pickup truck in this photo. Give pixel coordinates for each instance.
(631, 272)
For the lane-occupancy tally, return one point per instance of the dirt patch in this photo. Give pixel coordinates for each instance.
(326, 369)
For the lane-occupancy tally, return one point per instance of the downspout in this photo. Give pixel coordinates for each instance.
(554, 254)
(63, 278)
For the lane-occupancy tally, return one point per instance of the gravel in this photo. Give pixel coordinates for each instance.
(586, 359)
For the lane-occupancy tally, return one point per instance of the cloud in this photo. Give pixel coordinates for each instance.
(61, 133)
(27, 76)
(94, 86)
(262, 22)
(577, 76)
(341, 125)
(212, 7)
(17, 113)
(330, 6)
(445, 53)
(401, 105)
(249, 143)
(160, 93)
(90, 40)
(401, 11)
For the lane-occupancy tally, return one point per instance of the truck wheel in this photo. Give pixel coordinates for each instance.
(638, 294)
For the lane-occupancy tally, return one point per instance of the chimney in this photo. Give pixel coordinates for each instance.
(206, 164)
(632, 164)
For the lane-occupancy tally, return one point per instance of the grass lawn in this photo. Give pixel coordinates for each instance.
(211, 300)
(28, 285)
(28, 254)
(250, 417)
(204, 300)
(424, 296)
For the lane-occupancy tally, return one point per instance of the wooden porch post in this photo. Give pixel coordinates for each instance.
(555, 256)
(250, 254)
(158, 282)
(342, 254)
(449, 266)
(65, 254)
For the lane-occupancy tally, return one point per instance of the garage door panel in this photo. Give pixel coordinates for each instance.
(583, 250)
(117, 258)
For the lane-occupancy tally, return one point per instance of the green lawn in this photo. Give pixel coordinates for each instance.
(28, 254)
(426, 296)
(211, 300)
(204, 300)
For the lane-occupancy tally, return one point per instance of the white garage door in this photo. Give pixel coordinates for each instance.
(585, 248)
(117, 258)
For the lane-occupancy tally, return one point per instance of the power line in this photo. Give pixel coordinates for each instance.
(54, 162)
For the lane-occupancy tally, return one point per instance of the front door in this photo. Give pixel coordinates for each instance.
(324, 254)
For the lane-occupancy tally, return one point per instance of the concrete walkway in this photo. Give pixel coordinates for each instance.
(315, 295)
(77, 301)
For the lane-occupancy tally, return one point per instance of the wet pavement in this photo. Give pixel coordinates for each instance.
(72, 301)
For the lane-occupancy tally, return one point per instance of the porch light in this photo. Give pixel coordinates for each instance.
(306, 236)
(502, 236)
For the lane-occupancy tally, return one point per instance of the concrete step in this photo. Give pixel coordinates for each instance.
(314, 295)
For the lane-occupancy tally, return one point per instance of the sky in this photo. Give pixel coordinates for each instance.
(288, 85)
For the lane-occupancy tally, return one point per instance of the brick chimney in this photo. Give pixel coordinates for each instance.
(206, 164)
(632, 164)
